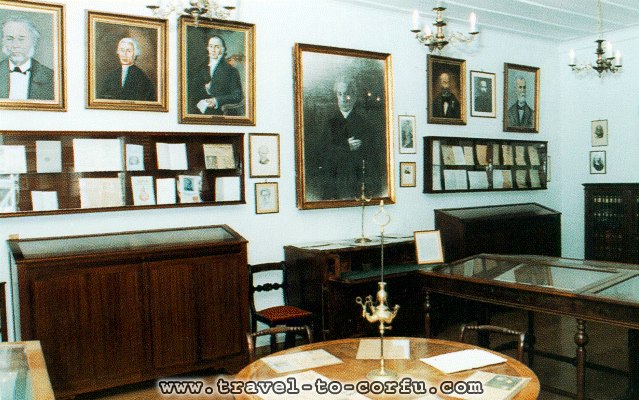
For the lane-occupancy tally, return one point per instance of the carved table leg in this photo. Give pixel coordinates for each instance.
(427, 308)
(581, 339)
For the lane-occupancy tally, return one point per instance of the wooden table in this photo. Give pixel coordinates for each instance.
(40, 384)
(353, 370)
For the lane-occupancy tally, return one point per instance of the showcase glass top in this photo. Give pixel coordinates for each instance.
(502, 211)
(118, 242)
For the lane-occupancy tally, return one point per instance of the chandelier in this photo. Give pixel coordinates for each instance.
(606, 61)
(438, 40)
(197, 9)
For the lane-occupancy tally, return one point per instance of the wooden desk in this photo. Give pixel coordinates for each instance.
(353, 370)
(40, 384)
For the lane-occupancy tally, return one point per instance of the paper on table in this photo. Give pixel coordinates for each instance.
(48, 156)
(44, 201)
(463, 360)
(13, 160)
(302, 360)
(495, 386)
(305, 383)
(172, 156)
(165, 189)
(97, 155)
(394, 349)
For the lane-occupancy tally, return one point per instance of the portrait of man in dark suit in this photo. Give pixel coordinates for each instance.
(520, 114)
(446, 104)
(483, 96)
(446, 90)
(521, 98)
(128, 82)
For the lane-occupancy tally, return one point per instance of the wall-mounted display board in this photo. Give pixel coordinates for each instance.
(455, 164)
(63, 172)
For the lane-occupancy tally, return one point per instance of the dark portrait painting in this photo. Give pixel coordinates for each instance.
(446, 90)
(127, 63)
(342, 126)
(217, 72)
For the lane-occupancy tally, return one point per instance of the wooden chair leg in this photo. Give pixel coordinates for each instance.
(273, 343)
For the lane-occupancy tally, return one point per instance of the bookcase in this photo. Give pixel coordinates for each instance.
(456, 164)
(63, 172)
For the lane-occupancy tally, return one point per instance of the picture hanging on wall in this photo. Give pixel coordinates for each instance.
(598, 162)
(128, 63)
(483, 94)
(521, 98)
(217, 72)
(408, 174)
(264, 155)
(32, 75)
(343, 126)
(406, 124)
(267, 198)
(599, 132)
(446, 90)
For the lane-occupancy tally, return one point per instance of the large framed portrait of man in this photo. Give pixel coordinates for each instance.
(521, 98)
(128, 63)
(217, 72)
(446, 90)
(343, 113)
(32, 74)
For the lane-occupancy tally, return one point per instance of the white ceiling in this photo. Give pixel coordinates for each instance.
(557, 20)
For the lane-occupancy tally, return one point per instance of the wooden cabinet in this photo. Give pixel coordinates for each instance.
(121, 308)
(611, 223)
(527, 228)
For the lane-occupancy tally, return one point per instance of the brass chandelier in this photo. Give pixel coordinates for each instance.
(208, 9)
(436, 41)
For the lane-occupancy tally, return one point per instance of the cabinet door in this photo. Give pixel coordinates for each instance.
(607, 217)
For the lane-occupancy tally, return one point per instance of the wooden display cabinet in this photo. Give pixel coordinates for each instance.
(127, 307)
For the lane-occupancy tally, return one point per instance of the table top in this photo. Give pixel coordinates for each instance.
(353, 370)
(40, 383)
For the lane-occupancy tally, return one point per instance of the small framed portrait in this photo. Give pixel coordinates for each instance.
(599, 132)
(446, 90)
(406, 125)
(408, 174)
(264, 155)
(127, 63)
(598, 162)
(483, 97)
(343, 126)
(267, 198)
(428, 246)
(217, 72)
(521, 98)
(32, 72)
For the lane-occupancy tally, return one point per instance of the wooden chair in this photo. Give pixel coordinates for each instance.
(521, 336)
(278, 315)
(303, 331)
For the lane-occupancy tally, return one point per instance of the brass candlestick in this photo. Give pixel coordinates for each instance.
(381, 312)
(363, 200)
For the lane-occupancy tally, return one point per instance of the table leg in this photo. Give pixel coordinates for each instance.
(530, 339)
(427, 308)
(581, 339)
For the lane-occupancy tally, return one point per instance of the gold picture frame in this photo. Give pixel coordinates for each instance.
(407, 174)
(43, 86)
(127, 62)
(223, 94)
(521, 105)
(446, 90)
(264, 155)
(267, 198)
(343, 125)
(428, 247)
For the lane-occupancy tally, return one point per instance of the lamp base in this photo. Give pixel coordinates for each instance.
(362, 240)
(382, 375)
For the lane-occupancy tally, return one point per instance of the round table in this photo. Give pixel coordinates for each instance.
(354, 370)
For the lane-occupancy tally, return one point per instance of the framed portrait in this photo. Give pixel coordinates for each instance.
(446, 90)
(521, 98)
(217, 72)
(264, 155)
(483, 97)
(406, 125)
(407, 174)
(598, 162)
(267, 198)
(128, 63)
(343, 113)
(32, 75)
(599, 132)
(428, 246)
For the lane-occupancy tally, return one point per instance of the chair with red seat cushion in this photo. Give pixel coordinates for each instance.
(277, 315)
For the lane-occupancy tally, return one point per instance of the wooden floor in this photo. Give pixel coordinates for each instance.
(608, 346)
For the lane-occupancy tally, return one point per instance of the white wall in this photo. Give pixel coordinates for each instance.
(279, 25)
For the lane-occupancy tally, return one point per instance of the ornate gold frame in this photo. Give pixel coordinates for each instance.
(508, 90)
(334, 59)
(129, 25)
(411, 164)
(57, 52)
(246, 58)
(456, 68)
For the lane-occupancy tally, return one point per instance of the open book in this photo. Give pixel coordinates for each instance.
(493, 386)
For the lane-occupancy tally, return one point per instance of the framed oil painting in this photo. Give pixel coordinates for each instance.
(446, 90)
(406, 124)
(599, 132)
(407, 174)
(32, 72)
(428, 247)
(267, 198)
(264, 155)
(343, 126)
(521, 98)
(217, 72)
(598, 162)
(128, 63)
(483, 101)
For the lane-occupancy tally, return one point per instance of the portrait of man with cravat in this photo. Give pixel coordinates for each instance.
(128, 82)
(520, 114)
(521, 86)
(446, 93)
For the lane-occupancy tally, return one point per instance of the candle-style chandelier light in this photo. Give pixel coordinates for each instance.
(197, 9)
(606, 61)
(436, 41)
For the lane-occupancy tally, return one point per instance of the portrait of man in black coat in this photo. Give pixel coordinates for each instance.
(483, 96)
(446, 104)
(520, 114)
(128, 82)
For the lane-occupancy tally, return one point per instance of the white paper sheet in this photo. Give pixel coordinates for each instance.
(189, 188)
(302, 360)
(100, 192)
(394, 349)
(478, 179)
(143, 191)
(165, 189)
(458, 153)
(219, 156)
(9, 187)
(534, 179)
(436, 153)
(91, 155)
(172, 156)
(305, 383)
(13, 159)
(134, 157)
(44, 201)
(227, 188)
(533, 155)
(48, 156)
(463, 360)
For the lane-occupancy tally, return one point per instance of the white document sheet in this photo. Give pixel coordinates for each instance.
(458, 153)
(533, 155)
(91, 155)
(9, 188)
(143, 191)
(463, 360)
(100, 192)
(394, 349)
(219, 156)
(48, 156)
(227, 188)
(189, 188)
(172, 156)
(305, 383)
(134, 157)
(44, 201)
(13, 160)
(165, 189)
(534, 179)
(478, 179)
(302, 360)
